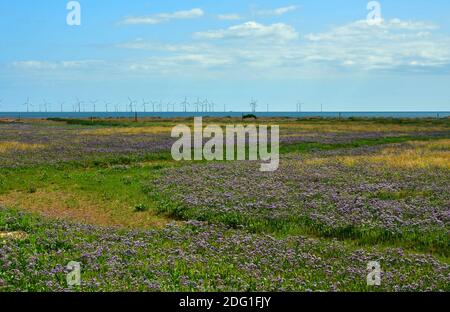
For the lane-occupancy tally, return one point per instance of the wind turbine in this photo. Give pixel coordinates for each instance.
(299, 106)
(61, 106)
(197, 105)
(106, 105)
(46, 104)
(153, 105)
(94, 102)
(144, 104)
(253, 105)
(27, 103)
(205, 105)
(78, 104)
(185, 104)
(132, 102)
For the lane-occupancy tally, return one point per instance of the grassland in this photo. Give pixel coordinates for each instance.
(107, 193)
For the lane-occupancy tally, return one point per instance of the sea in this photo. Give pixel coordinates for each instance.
(43, 115)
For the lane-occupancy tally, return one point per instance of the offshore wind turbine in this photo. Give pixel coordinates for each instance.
(132, 102)
(253, 105)
(212, 106)
(197, 105)
(78, 104)
(205, 105)
(160, 106)
(61, 106)
(153, 105)
(144, 104)
(299, 106)
(185, 104)
(46, 104)
(94, 102)
(27, 104)
(106, 105)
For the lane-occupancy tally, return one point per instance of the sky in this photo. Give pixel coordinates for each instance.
(321, 53)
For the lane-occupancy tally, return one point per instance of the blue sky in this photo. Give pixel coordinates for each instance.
(316, 52)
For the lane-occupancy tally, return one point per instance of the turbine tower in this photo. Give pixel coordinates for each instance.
(205, 105)
(197, 104)
(253, 105)
(153, 105)
(185, 104)
(132, 102)
(78, 104)
(144, 105)
(61, 106)
(106, 105)
(94, 102)
(46, 104)
(27, 103)
(299, 106)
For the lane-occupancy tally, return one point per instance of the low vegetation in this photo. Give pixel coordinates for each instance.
(106, 193)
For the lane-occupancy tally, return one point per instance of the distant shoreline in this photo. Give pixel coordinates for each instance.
(40, 115)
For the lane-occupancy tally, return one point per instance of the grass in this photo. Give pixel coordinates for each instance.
(415, 154)
(414, 240)
(310, 146)
(18, 146)
(106, 196)
(191, 258)
(115, 191)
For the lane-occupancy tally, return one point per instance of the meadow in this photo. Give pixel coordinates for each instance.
(106, 193)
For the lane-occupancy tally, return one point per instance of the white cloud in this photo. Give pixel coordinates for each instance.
(140, 44)
(252, 30)
(44, 65)
(162, 17)
(278, 11)
(229, 17)
(276, 51)
(390, 45)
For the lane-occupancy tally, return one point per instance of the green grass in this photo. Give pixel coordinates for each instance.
(118, 187)
(311, 146)
(117, 191)
(415, 240)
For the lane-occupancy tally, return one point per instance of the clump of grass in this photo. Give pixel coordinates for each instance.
(414, 154)
(387, 195)
(32, 190)
(18, 146)
(141, 208)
